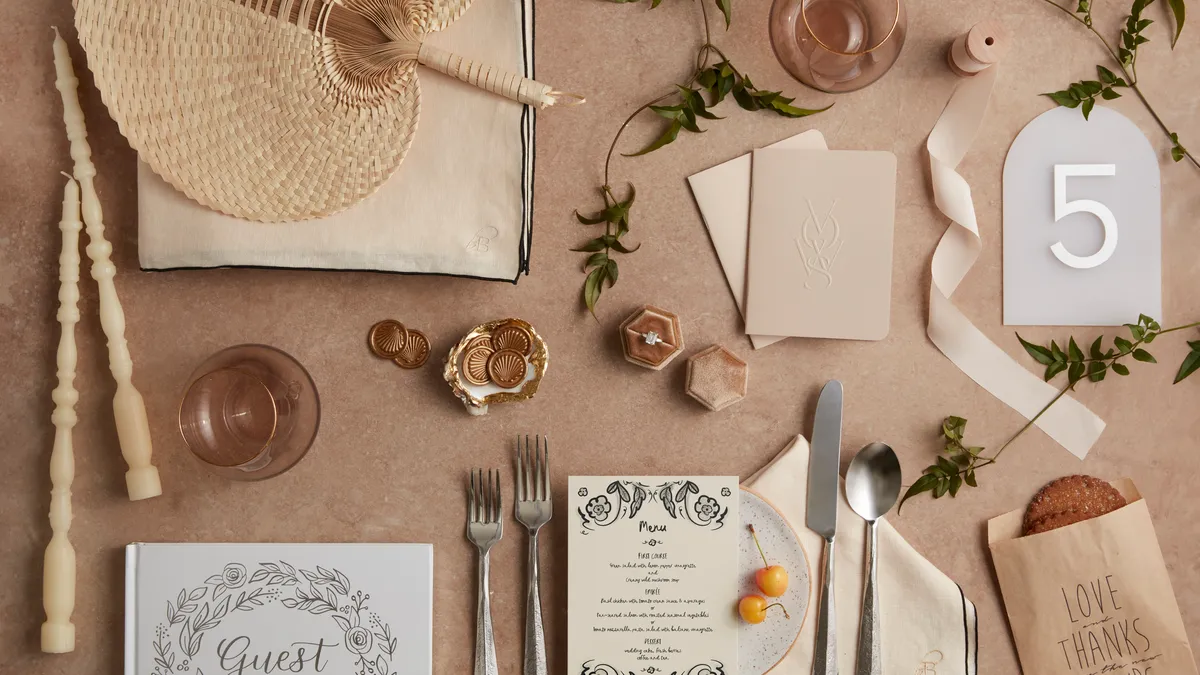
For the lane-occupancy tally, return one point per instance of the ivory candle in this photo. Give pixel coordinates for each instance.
(58, 575)
(129, 410)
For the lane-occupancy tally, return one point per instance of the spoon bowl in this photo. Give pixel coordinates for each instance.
(873, 481)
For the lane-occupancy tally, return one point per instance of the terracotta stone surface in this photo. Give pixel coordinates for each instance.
(394, 447)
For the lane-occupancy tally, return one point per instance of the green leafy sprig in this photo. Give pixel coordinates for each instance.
(1083, 94)
(958, 461)
(600, 266)
(715, 78)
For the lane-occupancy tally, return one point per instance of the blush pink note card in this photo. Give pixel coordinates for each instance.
(820, 259)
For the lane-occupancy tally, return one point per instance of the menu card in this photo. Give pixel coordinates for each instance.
(652, 575)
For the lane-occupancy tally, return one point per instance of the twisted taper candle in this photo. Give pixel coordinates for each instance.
(133, 430)
(58, 574)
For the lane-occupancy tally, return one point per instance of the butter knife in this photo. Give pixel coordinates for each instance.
(821, 515)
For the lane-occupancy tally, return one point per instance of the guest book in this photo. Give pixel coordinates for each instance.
(820, 259)
(299, 608)
(652, 575)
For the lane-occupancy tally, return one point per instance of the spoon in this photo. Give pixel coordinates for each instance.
(872, 487)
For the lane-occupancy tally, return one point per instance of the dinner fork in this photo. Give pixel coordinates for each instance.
(533, 510)
(485, 526)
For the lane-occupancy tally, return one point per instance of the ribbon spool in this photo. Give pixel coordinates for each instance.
(980, 48)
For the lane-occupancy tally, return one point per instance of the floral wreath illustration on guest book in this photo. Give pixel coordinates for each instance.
(674, 496)
(323, 591)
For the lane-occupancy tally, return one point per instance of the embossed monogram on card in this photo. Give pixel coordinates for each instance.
(820, 253)
(819, 243)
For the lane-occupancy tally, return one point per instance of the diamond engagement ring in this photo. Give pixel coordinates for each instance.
(651, 338)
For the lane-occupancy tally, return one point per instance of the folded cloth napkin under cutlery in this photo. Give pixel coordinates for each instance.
(927, 622)
(460, 204)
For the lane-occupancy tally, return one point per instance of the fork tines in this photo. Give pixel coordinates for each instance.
(483, 497)
(533, 470)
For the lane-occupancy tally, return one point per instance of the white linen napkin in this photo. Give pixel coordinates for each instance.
(927, 622)
(460, 203)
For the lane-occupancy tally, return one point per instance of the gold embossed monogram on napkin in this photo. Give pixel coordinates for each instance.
(820, 261)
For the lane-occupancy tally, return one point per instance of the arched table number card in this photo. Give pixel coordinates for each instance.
(213, 609)
(1082, 222)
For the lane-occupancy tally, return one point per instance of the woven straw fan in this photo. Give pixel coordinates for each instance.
(276, 110)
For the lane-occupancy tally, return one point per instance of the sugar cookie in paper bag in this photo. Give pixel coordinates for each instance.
(1091, 597)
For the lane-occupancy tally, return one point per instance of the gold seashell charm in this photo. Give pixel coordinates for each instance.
(415, 352)
(481, 341)
(507, 368)
(475, 364)
(514, 338)
(388, 338)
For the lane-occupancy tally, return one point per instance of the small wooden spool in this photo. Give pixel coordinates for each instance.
(980, 48)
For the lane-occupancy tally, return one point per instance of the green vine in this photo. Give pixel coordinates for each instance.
(681, 108)
(956, 465)
(1083, 94)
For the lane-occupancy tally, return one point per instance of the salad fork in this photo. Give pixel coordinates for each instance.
(533, 510)
(485, 526)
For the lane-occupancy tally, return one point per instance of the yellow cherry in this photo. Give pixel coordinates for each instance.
(772, 581)
(753, 608)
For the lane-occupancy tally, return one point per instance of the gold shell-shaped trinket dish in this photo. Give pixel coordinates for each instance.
(506, 380)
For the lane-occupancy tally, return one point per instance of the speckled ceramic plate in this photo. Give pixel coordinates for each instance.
(762, 646)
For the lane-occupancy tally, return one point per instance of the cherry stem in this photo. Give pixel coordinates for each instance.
(760, 551)
(780, 606)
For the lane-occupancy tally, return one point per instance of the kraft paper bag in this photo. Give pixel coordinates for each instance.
(1093, 597)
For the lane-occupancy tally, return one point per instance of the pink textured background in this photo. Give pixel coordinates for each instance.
(394, 447)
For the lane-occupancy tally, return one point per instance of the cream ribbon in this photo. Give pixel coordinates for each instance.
(1068, 421)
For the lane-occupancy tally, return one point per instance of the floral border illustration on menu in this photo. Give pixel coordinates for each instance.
(711, 668)
(681, 499)
(321, 591)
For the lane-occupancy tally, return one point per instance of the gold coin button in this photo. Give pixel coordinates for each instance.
(388, 338)
(415, 352)
(507, 368)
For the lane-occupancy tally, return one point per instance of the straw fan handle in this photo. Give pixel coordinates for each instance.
(490, 78)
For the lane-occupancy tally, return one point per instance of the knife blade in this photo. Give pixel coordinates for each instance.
(821, 517)
(824, 460)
